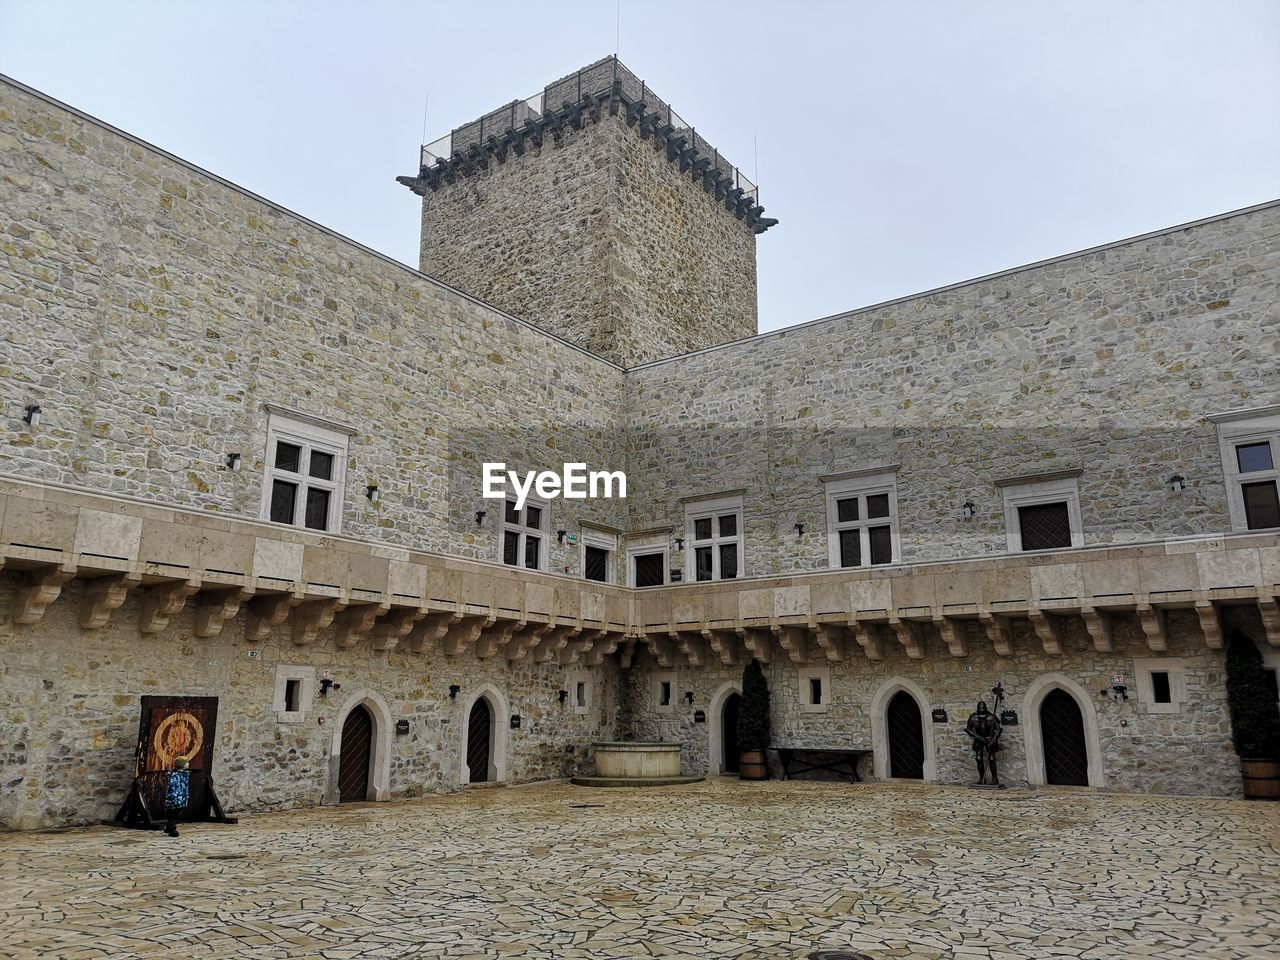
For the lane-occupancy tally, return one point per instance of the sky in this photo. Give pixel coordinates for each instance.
(902, 145)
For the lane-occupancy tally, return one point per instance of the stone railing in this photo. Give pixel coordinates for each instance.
(285, 578)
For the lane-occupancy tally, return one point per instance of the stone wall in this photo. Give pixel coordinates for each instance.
(151, 310)
(1107, 362)
(598, 239)
(1187, 752)
(71, 707)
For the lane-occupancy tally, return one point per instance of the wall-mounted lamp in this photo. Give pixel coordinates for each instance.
(479, 518)
(233, 462)
(560, 534)
(32, 415)
(373, 493)
(563, 695)
(325, 684)
(1177, 483)
(969, 509)
(688, 697)
(679, 543)
(453, 691)
(799, 529)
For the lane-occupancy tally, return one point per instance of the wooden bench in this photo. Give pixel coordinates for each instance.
(839, 760)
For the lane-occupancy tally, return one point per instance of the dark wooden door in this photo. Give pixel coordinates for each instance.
(353, 765)
(479, 726)
(1066, 758)
(729, 732)
(906, 737)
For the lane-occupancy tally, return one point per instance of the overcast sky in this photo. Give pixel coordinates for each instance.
(903, 145)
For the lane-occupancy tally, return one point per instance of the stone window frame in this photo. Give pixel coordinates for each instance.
(523, 532)
(1144, 667)
(600, 539)
(861, 484)
(311, 434)
(656, 681)
(1034, 491)
(575, 678)
(713, 508)
(306, 692)
(808, 674)
(644, 543)
(1258, 425)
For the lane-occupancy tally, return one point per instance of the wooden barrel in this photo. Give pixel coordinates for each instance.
(751, 765)
(1261, 779)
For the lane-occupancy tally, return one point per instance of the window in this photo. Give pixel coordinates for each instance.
(647, 559)
(664, 693)
(862, 518)
(1250, 446)
(1162, 684)
(664, 685)
(304, 474)
(1042, 513)
(580, 692)
(815, 689)
(598, 549)
(293, 693)
(524, 538)
(713, 534)
(292, 690)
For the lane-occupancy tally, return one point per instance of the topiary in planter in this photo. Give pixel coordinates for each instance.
(1255, 720)
(753, 723)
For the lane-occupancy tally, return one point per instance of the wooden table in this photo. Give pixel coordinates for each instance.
(841, 760)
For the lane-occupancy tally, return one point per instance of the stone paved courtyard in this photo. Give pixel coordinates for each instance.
(719, 869)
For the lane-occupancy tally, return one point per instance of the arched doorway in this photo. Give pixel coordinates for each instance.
(729, 732)
(357, 756)
(480, 741)
(1066, 756)
(906, 737)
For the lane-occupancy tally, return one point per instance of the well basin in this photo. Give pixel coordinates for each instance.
(637, 760)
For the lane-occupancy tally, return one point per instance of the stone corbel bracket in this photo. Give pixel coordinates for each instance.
(794, 640)
(1152, 621)
(163, 602)
(868, 638)
(831, 640)
(1049, 629)
(555, 641)
(41, 588)
(953, 634)
(462, 635)
(908, 634)
(395, 626)
(267, 613)
(310, 618)
(496, 638)
(1210, 624)
(357, 622)
(104, 596)
(1099, 626)
(661, 649)
(998, 633)
(758, 643)
(693, 647)
(217, 607)
(578, 647)
(610, 643)
(724, 644)
(1270, 610)
(434, 627)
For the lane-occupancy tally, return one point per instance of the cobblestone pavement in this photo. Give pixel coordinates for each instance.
(715, 870)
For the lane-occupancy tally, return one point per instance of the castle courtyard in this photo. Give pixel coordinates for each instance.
(717, 869)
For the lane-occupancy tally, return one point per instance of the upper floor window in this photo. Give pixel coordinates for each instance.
(1042, 513)
(713, 534)
(862, 519)
(524, 535)
(647, 558)
(1250, 448)
(598, 550)
(305, 467)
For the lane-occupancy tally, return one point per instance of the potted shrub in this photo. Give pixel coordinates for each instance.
(753, 723)
(1255, 721)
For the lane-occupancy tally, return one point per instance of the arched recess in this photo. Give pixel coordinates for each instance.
(715, 723)
(1034, 735)
(499, 733)
(379, 756)
(880, 733)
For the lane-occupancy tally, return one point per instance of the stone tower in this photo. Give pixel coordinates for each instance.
(594, 211)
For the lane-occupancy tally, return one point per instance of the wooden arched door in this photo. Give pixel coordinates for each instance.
(729, 732)
(1066, 756)
(906, 737)
(479, 740)
(354, 760)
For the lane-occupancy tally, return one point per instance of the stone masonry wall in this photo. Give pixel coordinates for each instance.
(151, 310)
(600, 240)
(69, 707)
(1107, 363)
(1188, 752)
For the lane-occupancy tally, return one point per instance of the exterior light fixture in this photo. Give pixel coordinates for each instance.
(688, 697)
(560, 534)
(799, 529)
(233, 462)
(372, 492)
(679, 543)
(1177, 483)
(479, 518)
(969, 509)
(563, 695)
(453, 691)
(32, 415)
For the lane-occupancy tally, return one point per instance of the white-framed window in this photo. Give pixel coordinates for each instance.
(1042, 513)
(1250, 449)
(580, 692)
(305, 472)
(713, 538)
(1162, 684)
(524, 534)
(815, 689)
(664, 692)
(862, 520)
(293, 693)
(598, 550)
(646, 557)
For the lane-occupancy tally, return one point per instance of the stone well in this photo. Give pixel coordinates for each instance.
(635, 764)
